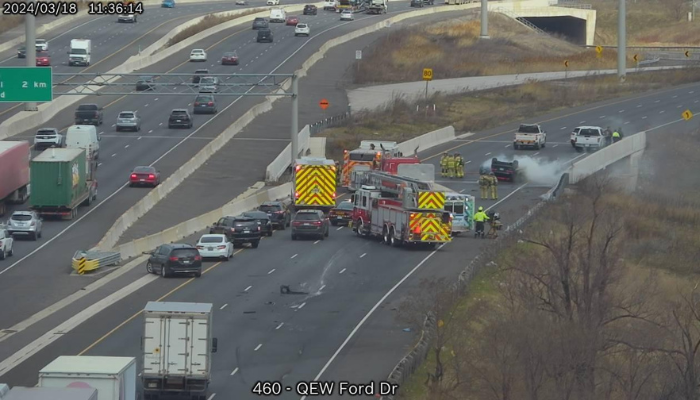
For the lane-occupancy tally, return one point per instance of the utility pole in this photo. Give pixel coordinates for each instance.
(621, 41)
(30, 48)
(484, 19)
(295, 118)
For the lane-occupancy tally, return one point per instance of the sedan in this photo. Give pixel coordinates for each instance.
(43, 59)
(292, 20)
(262, 219)
(341, 214)
(198, 55)
(144, 176)
(241, 3)
(215, 246)
(230, 58)
(347, 16)
(302, 30)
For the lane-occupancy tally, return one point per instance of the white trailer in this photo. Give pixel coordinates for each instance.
(177, 347)
(39, 393)
(80, 50)
(378, 7)
(113, 377)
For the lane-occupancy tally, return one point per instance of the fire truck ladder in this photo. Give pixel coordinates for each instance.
(393, 184)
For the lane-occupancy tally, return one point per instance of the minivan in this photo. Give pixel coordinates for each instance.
(84, 137)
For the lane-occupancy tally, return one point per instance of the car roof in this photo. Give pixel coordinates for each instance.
(308, 211)
(126, 111)
(242, 218)
(202, 50)
(588, 127)
(175, 246)
(146, 77)
(179, 110)
(255, 214)
(22, 213)
(271, 203)
(213, 235)
(202, 70)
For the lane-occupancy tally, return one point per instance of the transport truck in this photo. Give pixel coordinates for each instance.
(114, 378)
(314, 183)
(177, 347)
(40, 393)
(79, 53)
(14, 173)
(378, 7)
(62, 181)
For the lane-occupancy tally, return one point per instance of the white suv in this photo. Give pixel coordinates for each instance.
(41, 44)
(6, 243)
(302, 30)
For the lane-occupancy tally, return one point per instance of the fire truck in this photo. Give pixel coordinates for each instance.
(389, 164)
(369, 154)
(400, 211)
(314, 183)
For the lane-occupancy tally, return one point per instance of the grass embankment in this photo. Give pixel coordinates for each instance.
(549, 323)
(649, 23)
(209, 21)
(400, 121)
(8, 22)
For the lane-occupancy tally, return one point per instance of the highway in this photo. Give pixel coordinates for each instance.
(43, 266)
(113, 43)
(264, 335)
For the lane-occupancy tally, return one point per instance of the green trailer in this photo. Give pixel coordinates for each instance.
(61, 180)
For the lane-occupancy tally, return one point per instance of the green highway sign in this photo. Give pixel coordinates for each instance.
(25, 84)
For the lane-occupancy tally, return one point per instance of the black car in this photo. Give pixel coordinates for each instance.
(310, 9)
(341, 214)
(175, 258)
(417, 3)
(279, 213)
(260, 23)
(262, 219)
(145, 83)
(198, 74)
(265, 35)
(180, 118)
(239, 230)
(22, 52)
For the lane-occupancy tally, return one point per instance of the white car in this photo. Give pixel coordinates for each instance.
(273, 2)
(347, 16)
(215, 246)
(241, 3)
(302, 29)
(6, 242)
(198, 55)
(41, 44)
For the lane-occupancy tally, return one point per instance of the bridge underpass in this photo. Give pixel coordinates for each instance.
(575, 23)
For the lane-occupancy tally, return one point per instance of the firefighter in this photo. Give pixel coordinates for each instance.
(450, 166)
(616, 137)
(459, 165)
(443, 164)
(493, 185)
(607, 133)
(484, 182)
(479, 218)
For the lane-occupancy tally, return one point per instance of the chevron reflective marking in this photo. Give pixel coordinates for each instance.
(431, 200)
(315, 185)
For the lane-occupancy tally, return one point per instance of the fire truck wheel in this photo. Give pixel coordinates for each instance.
(385, 235)
(392, 238)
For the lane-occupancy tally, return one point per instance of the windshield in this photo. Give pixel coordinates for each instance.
(306, 217)
(22, 217)
(362, 156)
(143, 169)
(179, 114)
(78, 51)
(211, 239)
(126, 115)
(240, 224)
(589, 132)
(204, 99)
(456, 208)
(45, 132)
(301, 25)
(208, 80)
(184, 253)
(270, 208)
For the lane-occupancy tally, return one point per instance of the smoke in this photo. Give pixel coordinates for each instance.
(536, 170)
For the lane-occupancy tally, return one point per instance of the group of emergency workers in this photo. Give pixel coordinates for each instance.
(452, 165)
(488, 183)
(613, 136)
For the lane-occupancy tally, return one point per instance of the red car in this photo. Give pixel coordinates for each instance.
(43, 59)
(229, 59)
(146, 176)
(292, 21)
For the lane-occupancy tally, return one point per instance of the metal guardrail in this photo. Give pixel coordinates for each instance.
(86, 261)
(319, 126)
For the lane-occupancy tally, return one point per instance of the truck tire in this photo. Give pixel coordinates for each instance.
(164, 272)
(392, 238)
(537, 146)
(255, 244)
(294, 237)
(385, 236)
(515, 146)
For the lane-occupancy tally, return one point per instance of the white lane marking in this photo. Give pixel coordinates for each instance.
(621, 111)
(339, 228)
(248, 288)
(363, 254)
(151, 131)
(675, 96)
(113, 125)
(278, 327)
(342, 270)
(639, 106)
(224, 306)
(468, 162)
(626, 123)
(294, 256)
(563, 127)
(506, 146)
(644, 117)
(679, 106)
(321, 288)
(662, 111)
(98, 164)
(161, 124)
(657, 101)
(114, 154)
(602, 116)
(462, 191)
(271, 271)
(258, 347)
(140, 139)
(317, 241)
(555, 145)
(533, 154)
(691, 92)
(301, 306)
(212, 396)
(156, 99)
(487, 153)
(234, 371)
(126, 147)
(696, 101)
(582, 122)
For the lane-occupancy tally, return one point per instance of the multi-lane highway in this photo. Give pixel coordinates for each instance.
(264, 335)
(43, 266)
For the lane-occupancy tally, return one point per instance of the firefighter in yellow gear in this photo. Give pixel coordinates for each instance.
(459, 166)
(443, 164)
(450, 166)
(484, 183)
(493, 186)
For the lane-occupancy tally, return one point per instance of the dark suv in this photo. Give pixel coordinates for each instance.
(310, 9)
(205, 104)
(198, 74)
(265, 35)
(279, 213)
(263, 220)
(310, 223)
(180, 118)
(239, 230)
(171, 259)
(260, 23)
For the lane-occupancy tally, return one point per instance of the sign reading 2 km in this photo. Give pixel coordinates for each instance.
(30, 84)
(427, 74)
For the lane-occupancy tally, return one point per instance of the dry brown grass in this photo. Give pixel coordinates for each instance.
(209, 21)
(452, 49)
(8, 22)
(475, 111)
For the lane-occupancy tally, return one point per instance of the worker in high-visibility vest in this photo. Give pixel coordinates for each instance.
(616, 137)
(450, 166)
(443, 164)
(459, 165)
(479, 218)
(493, 186)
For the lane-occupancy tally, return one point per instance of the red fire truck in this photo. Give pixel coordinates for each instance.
(400, 211)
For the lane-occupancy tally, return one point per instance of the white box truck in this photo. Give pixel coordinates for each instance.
(79, 53)
(113, 377)
(177, 346)
(39, 393)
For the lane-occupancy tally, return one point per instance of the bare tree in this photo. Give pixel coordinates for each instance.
(677, 8)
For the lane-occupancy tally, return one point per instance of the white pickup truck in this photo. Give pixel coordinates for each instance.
(530, 135)
(588, 138)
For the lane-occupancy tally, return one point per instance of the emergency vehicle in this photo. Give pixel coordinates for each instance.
(314, 183)
(461, 208)
(373, 155)
(400, 211)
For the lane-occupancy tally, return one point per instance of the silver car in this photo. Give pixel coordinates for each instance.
(128, 120)
(25, 223)
(209, 84)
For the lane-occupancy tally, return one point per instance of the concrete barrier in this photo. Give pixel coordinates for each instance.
(197, 224)
(280, 164)
(429, 140)
(41, 29)
(607, 156)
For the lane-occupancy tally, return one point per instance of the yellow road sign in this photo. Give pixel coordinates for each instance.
(599, 49)
(687, 53)
(566, 63)
(687, 115)
(427, 74)
(636, 58)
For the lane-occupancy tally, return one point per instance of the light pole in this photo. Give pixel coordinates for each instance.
(621, 40)
(484, 19)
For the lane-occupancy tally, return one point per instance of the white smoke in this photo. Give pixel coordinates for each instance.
(535, 170)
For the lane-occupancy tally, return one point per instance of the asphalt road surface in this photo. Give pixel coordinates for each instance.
(264, 335)
(112, 43)
(42, 267)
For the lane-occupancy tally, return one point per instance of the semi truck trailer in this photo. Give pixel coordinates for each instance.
(14, 173)
(39, 393)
